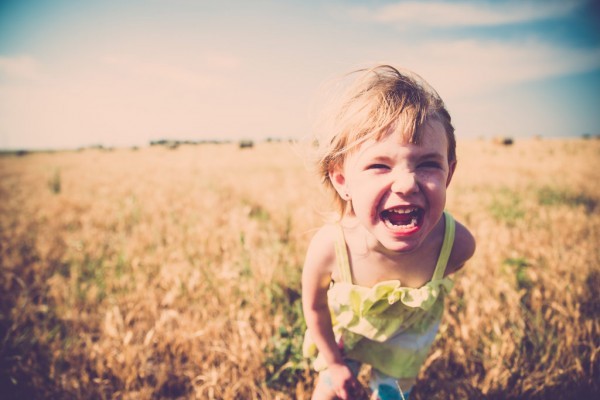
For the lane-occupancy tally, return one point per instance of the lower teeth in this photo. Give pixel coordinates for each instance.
(413, 222)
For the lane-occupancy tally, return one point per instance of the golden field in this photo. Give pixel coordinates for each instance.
(175, 273)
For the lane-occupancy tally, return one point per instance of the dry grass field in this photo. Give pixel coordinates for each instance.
(175, 273)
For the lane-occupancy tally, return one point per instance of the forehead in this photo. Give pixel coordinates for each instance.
(433, 140)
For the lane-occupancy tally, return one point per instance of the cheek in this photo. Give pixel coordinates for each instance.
(431, 177)
(359, 185)
(366, 197)
(433, 182)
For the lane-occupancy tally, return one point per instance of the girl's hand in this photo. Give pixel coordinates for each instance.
(344, 383)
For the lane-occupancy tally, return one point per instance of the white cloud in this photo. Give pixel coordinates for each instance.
(19, 67)
(463, 14)
(470, 67)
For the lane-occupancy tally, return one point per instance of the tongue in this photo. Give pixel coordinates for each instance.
(399, 219)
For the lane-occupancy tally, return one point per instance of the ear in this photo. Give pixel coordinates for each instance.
(451, 169)
(338, 180)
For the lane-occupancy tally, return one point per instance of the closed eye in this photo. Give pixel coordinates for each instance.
(377, 166)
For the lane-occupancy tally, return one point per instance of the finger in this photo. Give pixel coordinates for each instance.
(342, 394)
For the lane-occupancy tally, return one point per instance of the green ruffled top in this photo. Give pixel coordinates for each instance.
(366, 318)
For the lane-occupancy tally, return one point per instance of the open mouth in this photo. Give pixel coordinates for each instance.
(403, 218)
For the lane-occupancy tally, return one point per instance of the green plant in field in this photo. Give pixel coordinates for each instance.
(284, 361)
(245, 264)
(548, 196)
(506, 207)
(520, 264)
(90, 279)
(54, 183)
(259, 213)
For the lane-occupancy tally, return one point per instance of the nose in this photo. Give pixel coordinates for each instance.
(405, 183)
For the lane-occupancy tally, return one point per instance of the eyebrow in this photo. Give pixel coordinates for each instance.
(435, 155)
(432, 155)
(379, 158)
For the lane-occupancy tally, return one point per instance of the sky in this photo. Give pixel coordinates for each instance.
(125, 72)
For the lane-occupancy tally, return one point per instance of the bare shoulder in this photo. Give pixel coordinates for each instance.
(462, 250)
(320, 256)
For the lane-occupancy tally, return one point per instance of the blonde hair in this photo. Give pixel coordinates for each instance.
(376, 100)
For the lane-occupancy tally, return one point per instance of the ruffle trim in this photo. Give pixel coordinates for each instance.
(364, 301)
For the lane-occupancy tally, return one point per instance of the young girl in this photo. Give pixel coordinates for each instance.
(373, 283)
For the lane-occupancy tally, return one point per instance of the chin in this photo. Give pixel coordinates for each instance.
(401, 243)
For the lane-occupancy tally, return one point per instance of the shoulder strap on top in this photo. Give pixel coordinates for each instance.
(341, 255)
(440, 267)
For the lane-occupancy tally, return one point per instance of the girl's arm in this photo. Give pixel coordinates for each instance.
(316, 277)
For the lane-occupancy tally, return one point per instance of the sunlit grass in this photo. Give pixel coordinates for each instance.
(175, 273)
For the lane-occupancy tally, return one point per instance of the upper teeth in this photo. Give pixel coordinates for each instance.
(403, 210)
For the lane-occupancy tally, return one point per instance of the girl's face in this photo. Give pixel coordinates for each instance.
(397, 189)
